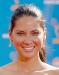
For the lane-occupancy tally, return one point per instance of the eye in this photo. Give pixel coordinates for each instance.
(21, 33)
(35, 33)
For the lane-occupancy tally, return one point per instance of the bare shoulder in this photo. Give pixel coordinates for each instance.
(2, 72)
(9, 66)
(7, 69)
(51, 70)
(49, 66)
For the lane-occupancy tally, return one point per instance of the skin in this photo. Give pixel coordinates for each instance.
(28, 37)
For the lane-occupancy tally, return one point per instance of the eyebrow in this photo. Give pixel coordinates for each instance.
(34, 30)
(23, 31)
(20, 30)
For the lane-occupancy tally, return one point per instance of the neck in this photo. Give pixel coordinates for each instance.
(30, 64)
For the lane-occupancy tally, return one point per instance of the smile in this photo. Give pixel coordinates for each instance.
(28, 48)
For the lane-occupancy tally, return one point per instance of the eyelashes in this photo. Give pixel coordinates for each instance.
(35, 33)
(20, 33)
(32, 33)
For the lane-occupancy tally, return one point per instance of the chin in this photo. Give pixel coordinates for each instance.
(28, 56)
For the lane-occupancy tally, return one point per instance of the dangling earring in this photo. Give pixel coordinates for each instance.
(44, 44)
(10, 44)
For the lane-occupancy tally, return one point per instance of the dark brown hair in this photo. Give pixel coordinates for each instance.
(29, 10)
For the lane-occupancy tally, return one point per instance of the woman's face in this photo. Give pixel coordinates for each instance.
(27, 36)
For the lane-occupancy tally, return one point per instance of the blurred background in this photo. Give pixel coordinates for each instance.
(50, 10)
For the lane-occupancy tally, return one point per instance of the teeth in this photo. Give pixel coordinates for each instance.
(29, 49)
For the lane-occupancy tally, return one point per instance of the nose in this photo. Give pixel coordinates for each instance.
(28, 40)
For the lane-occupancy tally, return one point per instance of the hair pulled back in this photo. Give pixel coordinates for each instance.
(29, 10)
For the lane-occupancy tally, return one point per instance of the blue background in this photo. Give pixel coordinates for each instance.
(51, 14)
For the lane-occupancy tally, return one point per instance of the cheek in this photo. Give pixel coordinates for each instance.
(39, 41)
(17, 41)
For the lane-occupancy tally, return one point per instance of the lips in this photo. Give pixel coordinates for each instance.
(28, 48)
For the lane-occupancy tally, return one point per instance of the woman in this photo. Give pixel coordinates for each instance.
(28, 33)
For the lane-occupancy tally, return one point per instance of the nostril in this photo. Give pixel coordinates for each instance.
(27, 42)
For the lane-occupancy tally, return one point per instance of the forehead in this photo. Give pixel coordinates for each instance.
(27, 22)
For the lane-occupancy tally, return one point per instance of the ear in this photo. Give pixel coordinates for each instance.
(10, 35)
(44, 34)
